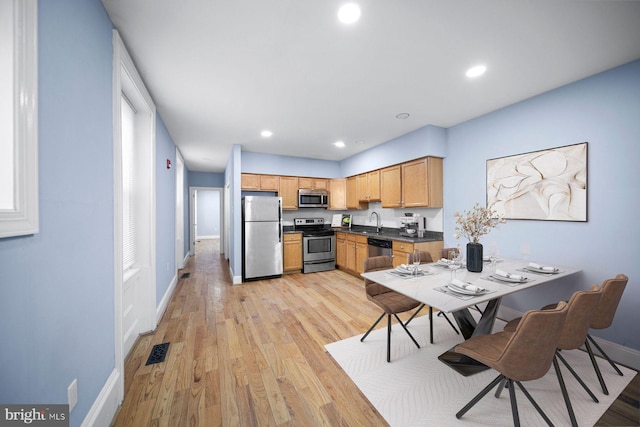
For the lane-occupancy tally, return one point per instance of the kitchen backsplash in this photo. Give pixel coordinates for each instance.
(389, 217)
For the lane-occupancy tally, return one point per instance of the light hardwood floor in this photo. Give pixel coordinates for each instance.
(253, 354)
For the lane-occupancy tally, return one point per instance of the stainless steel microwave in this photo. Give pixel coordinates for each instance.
(313, 199)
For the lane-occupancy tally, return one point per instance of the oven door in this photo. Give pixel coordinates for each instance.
(319, 248)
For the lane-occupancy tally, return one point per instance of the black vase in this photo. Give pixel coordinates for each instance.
(474, 257)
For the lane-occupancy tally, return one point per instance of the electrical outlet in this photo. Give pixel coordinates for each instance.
(72, 394)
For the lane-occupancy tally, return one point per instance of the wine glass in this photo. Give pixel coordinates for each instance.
(416, 261)
(454, 263)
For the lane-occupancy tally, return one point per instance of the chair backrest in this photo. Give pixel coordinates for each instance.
(612, 290)
(579, 316)
(382, 262)
(423, 256)
(445, 252)
(529, 353)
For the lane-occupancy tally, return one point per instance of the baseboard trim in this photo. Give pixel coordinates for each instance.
(236, 280)
(619, 353)
(106, 405)
(166, 298)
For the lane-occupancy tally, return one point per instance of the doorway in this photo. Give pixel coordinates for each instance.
(206, 217)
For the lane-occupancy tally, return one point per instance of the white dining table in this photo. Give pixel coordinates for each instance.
(430, 288)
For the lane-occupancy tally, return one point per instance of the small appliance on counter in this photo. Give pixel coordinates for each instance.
(318, 244)
(413, 225)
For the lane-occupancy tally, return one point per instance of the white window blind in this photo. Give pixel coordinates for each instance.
(128, 186)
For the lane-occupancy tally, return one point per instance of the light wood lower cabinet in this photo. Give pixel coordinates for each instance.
(402, 249)
(292, 252)
(351, 251)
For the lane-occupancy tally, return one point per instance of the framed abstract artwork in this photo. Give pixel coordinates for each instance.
(546, 185)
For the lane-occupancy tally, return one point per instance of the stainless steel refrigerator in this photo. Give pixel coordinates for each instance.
(261, 237)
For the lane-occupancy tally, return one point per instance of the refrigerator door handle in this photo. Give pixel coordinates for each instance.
(280, 220)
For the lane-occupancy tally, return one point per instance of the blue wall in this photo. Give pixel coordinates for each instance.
(603, 110)
(205, 179)
(208, 213)
(57, 305)
(165, 210)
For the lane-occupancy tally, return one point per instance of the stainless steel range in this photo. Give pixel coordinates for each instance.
(318, 244)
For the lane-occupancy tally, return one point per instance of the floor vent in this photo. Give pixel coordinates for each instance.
(185, 275)
(158, 353)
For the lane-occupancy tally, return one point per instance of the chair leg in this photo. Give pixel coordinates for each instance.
(372, 326)
(565, 394)
(577, 377)
(590, 338)
(501, 387)
(595, 367)
(479, 396)
(430, 325)
(533, 402)
(514, 404)
(389, 337)
(440, 313)
(414, 314)
(403, 327)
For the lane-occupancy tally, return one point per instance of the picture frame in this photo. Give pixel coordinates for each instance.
(547, 185)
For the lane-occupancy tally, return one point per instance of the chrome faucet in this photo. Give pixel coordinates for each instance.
(378, 228)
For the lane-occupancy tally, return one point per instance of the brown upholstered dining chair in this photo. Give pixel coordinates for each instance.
(580, 312)
(612, 290)
(522, 355)
(425, 258)
(391, 302)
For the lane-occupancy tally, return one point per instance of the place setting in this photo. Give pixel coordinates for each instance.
(544, 270)
(506, 278)
(463, 290)
(409, 271)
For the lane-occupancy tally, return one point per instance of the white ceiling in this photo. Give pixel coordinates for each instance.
(220, 71)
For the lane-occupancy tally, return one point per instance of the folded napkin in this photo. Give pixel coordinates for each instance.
(445, 261)
(503, 273)
(467, 286)
(406, 269)
(542, 267)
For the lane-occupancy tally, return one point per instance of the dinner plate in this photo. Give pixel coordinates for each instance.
(541, 270)
(508, 279)
(456, 289)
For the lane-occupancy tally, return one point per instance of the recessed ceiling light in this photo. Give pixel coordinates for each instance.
(266, 133)
(476, 71)
(339, 144)
(349, 13)
(359, 142)
(402, 116)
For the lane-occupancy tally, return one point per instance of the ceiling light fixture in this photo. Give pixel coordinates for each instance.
(476, 71)
(402, 116)
(266, 133)
(339, 144)
(349, 13)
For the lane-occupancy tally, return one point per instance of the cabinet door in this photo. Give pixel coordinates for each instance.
(289, 192)
(250, 181)
(341, 247)
(292, 252)
(362, 253)
(305, 183)
(269, 182)
(435, 172)
(415, 191)
(320, 183)
(373, 185)
(361, 187)
(350, 252)
(352, 193)
(391, 187)
(338, 194)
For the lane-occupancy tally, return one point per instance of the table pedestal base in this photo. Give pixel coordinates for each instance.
(469, 328)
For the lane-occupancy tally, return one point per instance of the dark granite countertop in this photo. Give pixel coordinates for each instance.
(385, 233)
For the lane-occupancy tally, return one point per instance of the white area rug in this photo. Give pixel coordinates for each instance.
(416, 389)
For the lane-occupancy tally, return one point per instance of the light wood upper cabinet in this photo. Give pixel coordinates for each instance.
(289, 192)
(391, 187)
(422, 183)
(413, 184)
(306, 183)
(368, 185)
(338, 194)
(257, 182)
(353, 199)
